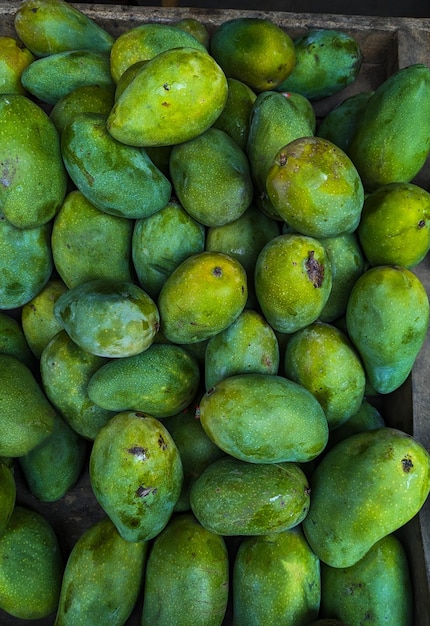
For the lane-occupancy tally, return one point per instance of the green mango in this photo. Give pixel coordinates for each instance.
(248, 345)
(136, 474)
(78, 241)
(33, 178)
(392, 140)
(339, 124)
(111, 318)
(50, 26)
(102, 578)
(234, 119)
(287, 575)
(327, 622)
(379, 479)
(186, 577)
(233, 497)
(26, 416)
(31, 566)
(196, 28)
(366, 418)
(327, 61)
(295, 429)
(13, 340)
(293, 281)
(126, 78)
(174, 97)
(118, 179)
(66, 370)
(7, 495)
(14, 58)
(322, 359)
(211, 178)
(161, 242)
(162, 380)
(304, 105)
(388, 350)
(82, 99)
(376, 590)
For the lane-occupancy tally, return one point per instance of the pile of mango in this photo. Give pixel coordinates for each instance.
(205, 290)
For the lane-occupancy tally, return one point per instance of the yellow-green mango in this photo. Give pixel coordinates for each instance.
(31, 566)
(126, 77)
(211, 177)
(387, 318)
(379, 479)
(186, 576)
(196, 28)
(118, 179)
(83, 99)
(7, 495)
(14, 58)
(26, 416)
(112, 318)
(374, 591)
(286, 573)
(392, 140)
(50, 26)
(174, 97)
(339, 124)
(233, 497)
(367, 417)
(102, 578)
(13, 340)
(235, 116)
(295, 429)
(136, 474)
(33, 177)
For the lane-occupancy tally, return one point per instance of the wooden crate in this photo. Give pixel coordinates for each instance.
(387, 44)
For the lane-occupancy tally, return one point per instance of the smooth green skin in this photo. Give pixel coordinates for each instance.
(176, 95)
(66, 370)
(186, 577)
(111, 318)
(7, 495)
(276, 580)
(387, 318)
(323, 359)
(31, 566)
(33, 176)
(211, 177)
(161, 242)
(27, 417)
(233, 497)
(339, 124)
(347, 264)
(315, 188)
(378, 479)
(254, 50)
(366, 418)
(38, 321)
(50, 26)
(83, 99)
(102, 578)
(161, 381)
(248, 345)
(395, 225)
(202, 297)
(327, 61)
(392, 141)
(126, 77)
(14, 58)
(376, 590)
(13, 340)
(234, 415)
(78, 241)
(234, 119)
(136, 474)
(293, 281)
(145, 41)
(118, 179)
(196, 28)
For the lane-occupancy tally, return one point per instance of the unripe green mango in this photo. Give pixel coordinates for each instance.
(13, 340)
(211, 177)
(339, 124)
(82, 99)
(234, 119)
(186, 576)
(33, 180)
(366, 418)
(196, 28)
(118, 179)
(387, 318)
(379, 479)
(376, 590)
(102, 578)
(14, 58)
(287, 575)
(31, 566)
(7, 495)
(295, 429)
(136, 474)
(233, 497)
(392, 140)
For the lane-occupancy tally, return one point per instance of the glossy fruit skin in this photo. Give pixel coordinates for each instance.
(14, 58)
(339, 124)
(234, 118)
(83, 99)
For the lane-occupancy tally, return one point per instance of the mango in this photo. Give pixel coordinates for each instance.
(187, 574)
(196, 28)
(136, 474)
(126, 78)
(339, 124)
(14, 58)
(83, 99)
(368, 417)
(380, 479)
(13, 340)
(233, 497)
(7, 495)
(234, 118)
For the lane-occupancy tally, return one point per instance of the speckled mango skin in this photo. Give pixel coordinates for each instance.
(14, 58)
(378, 480)
(339, 124)
(187, 575)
